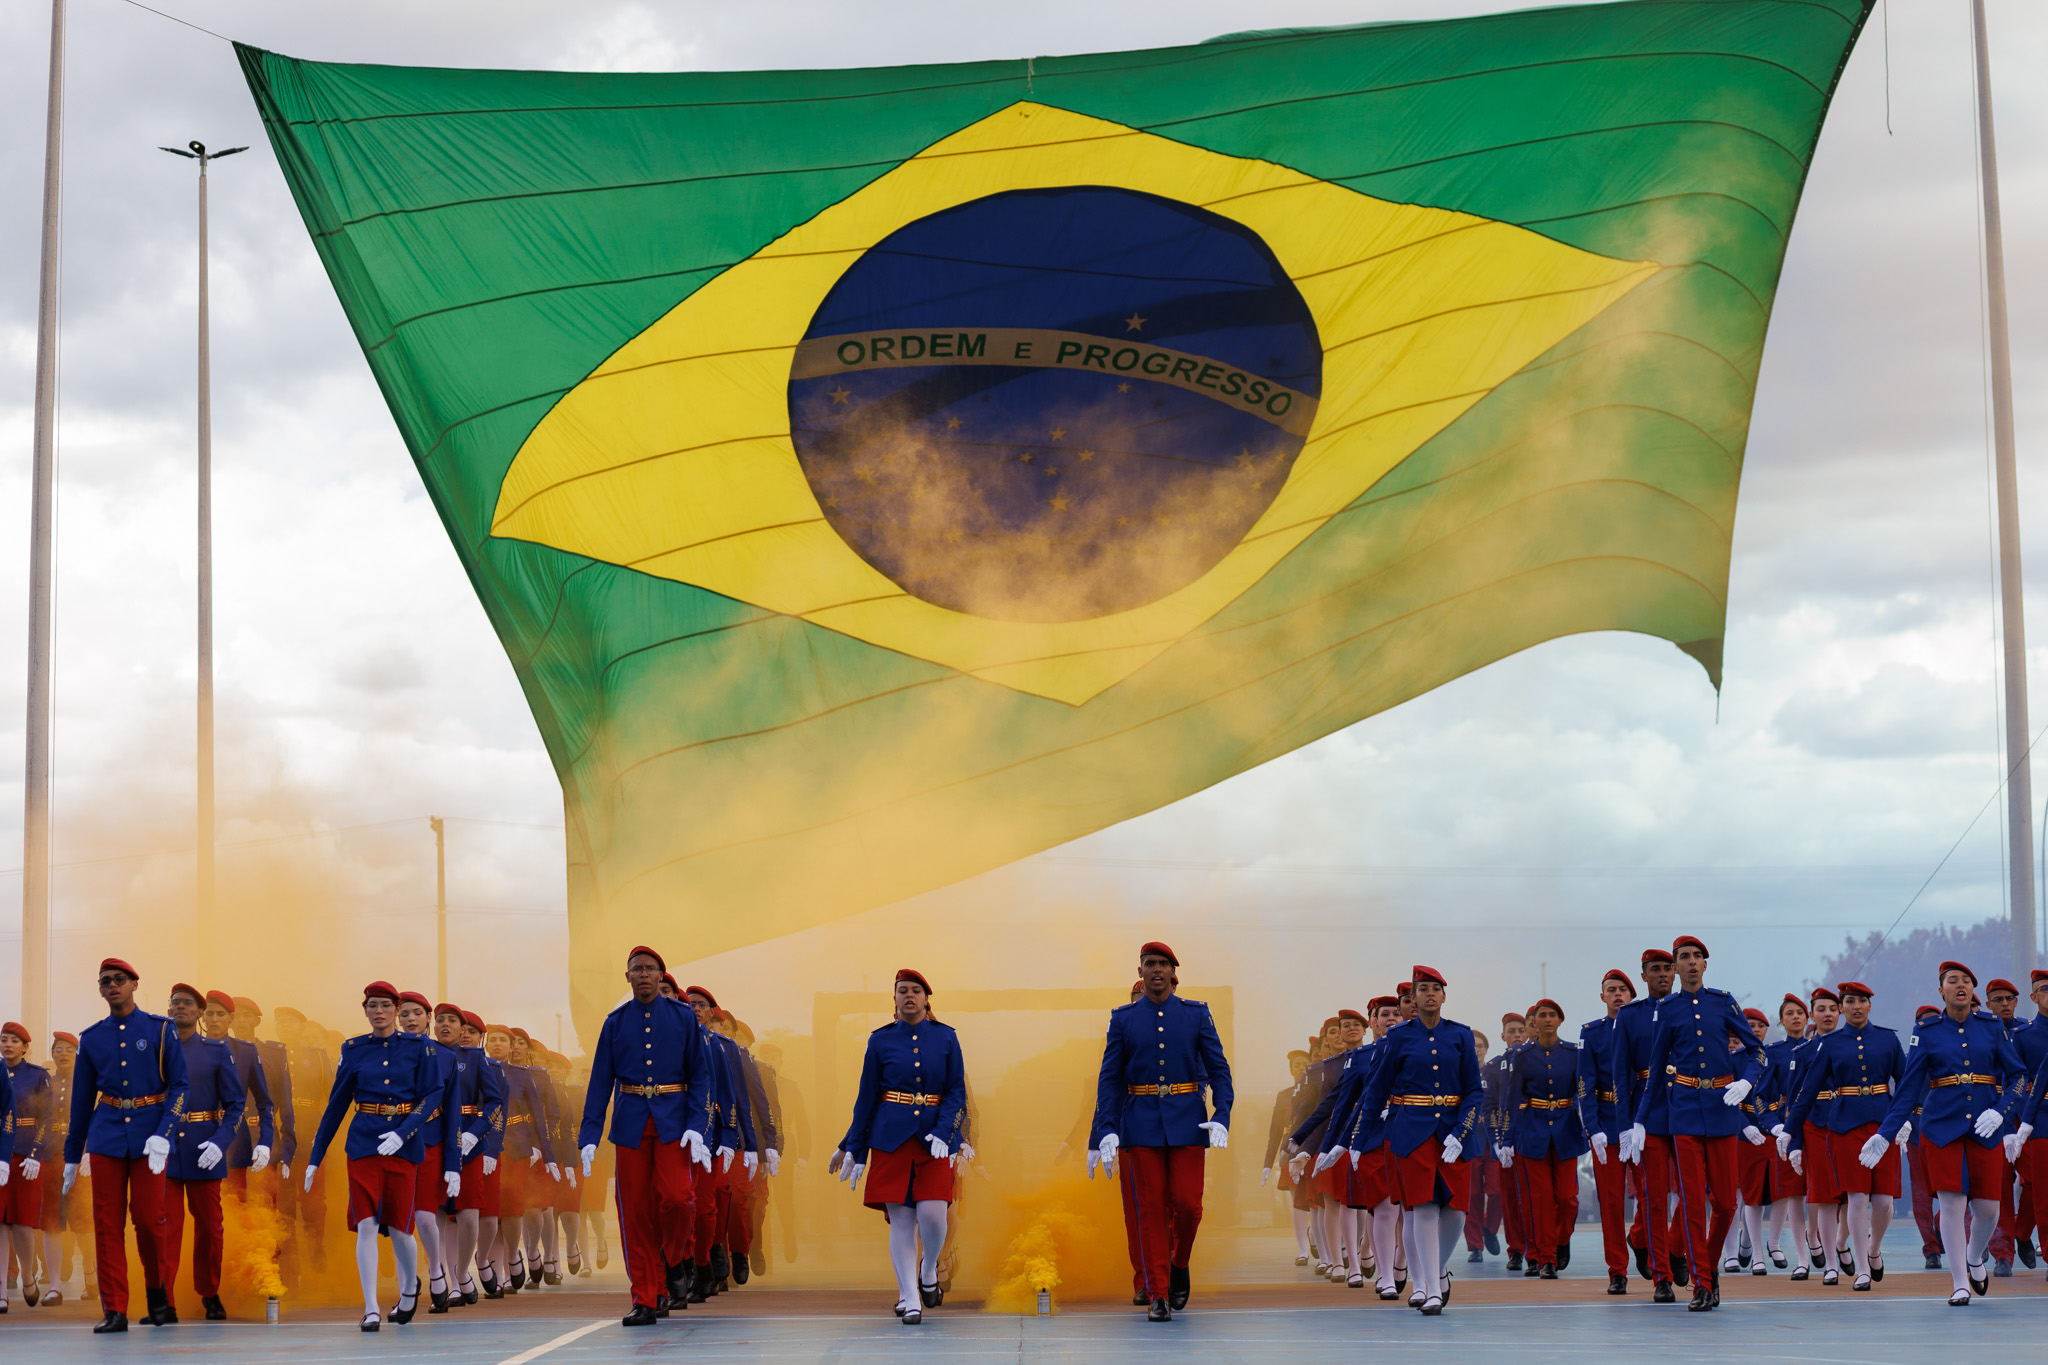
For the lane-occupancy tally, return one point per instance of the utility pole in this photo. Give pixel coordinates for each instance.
(208, 924)
(35, 772)
(2019, 789)
(440, 902)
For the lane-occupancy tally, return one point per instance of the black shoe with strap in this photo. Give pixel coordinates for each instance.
(1178, 1287)
(641, 1316)
(112, 1322)
(1160, 1312)
(930, 1294)
(401, 1315)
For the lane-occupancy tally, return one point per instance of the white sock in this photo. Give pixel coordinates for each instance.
(1830, 1235)
(1386, 1233)
(1955, 1240)
(406, 1253)
(1300, 1231)
(1983, 1227)
(366, 1263)
(903, 1252)
(931, 1232)
(1451, 1231)
(1880, 1219)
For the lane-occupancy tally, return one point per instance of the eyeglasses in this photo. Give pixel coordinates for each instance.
(114, 979)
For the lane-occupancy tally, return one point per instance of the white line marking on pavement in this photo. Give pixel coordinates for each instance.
(557, 1343)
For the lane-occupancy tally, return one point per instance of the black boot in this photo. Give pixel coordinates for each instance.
(1160, 1312)
(679, 1285)
(112, 1322)
(1178, 1287)
(700, 1283)
(662, 1305)
(216, 1311)
(1664, 1293)
(1617, 1284)
(641, 1316)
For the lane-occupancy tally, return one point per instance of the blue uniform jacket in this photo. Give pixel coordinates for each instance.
(761, 1119)
(526, 1116)
(259, 1114)
(130, 1057)
(496, 1115)
(399, 1070)
(656, 1044)
(1778, 1082)
(1312, 1131)
(1154, 1064)
(922, 1064)
(1634, 1025)
(1598, 1095)
(1954, 1072)
(1438, 1064)
(1344, 1102)
(1356, 1127)
(277, 1078)
(733, 1110)
(1540, 1096)
(29, 1104)
(479, 1100)
(1689, 1033)
(2030, 1040)
(214, 1101)
(1857, 1070)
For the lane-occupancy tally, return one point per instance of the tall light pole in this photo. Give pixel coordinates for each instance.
(440, 903)
(35, 768)
(207, 926)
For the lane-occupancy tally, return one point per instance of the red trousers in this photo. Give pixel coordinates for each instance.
(739, 1190)
(1652, 1180)
(1610, 1187)
(1548, 1187)
(656, 1190)
(1484, 1214)
(117, 1186)
(1514, 1212)
(1923, 1199)
(1164, 1208)
(714, 1209)
(209, 1240)
(1709, 1179)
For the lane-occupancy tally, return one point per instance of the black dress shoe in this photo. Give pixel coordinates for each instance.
(1933, 1260)
(1564, 1255)
(2024, 1250)
(1714, 1291)
(469, 1298)
(518, 1281)
(1743, 1258)
(1664, 1293)
(1979, 1287)
(161, 1313)
(741, 1271)
(913, 1316)
(1178, 1287)
(1139, 1300)
(1514, 1260)
(1643, 1263)
(641, 1316)
(1477, 1257)
(1617, 1284)
(721, 1264)
(216, 1311)
(1876, 1270)
(1681, 1273)
(371, 1322)
(1531, 1271)
(700, 1283)
(930, 1294)
(662, 1305)
(1549, 1272)
(438, 1298)
(112, 1322)
(1159, 1312)
(1702, 1300)
(1493, 1244)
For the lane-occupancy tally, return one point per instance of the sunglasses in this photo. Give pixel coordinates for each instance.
(114, 979)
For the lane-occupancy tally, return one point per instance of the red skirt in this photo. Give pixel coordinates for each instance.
(1820, 1176)
(431, 1192)
(909, 1174)
(1366, 1185)
(382, 1187)
(1850, 1176)
(1965, 1166)
(512, 1186)
(1417, 1177)
(479, 1191)
(1786, 1183)
(21, 1199)
(1757, 1166)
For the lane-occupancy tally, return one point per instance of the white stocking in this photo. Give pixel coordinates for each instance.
(547, 1240)
(1753, 1219)
(1425, 1262)
(1361, 1236)
(1880, 1219)
(405, 1252)
(366, 1263)
(903, 1252)
(1732, 1244)
(1955, 1241)
(1830, 1236)
(931, 1232)
(490, 1241)
(1451, 1230)
(427, 1227)
(1983, 1226)
(1386, 1236)
(1859, 1231)
(1300, 1232)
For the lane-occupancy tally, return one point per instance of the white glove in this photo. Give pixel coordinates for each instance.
(533, 1157)
(842, 1162)
(1265, 1175)
(1108, 1147)
(1784, 1142)
(699, 1153)
(752, 1162)
(1094, 1160)
(1453, 1149)
(310, 1169)
(31, 1169)
(158, 1150)
(589, 1155)
(1600, 1148)
(1798, 1162)
(967, 1151)
(209, 1156)
(1873, 1151)
(284, 1170)
(2013, 1143)
(1632, 1143)
(772, 1159)
(940, 1151)
(259, 1158)
(554, 1171)
(1219, 1136)
(1299, 1166)
(1754, 1135)
(1777, 1130)
(453, 1180)
(85, 1165)
(1507, 1158)
(389, 1143)
(1905, 1133)
(1735, 1094)
(1327, 1160)
(1989, 1122)
(490, 1164)
(468, 1145)
(70, 1175)
(569, 1174)
(725, 1155)
(5, 1170)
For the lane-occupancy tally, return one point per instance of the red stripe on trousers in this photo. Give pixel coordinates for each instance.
(714, 1208)
(656, 1190)
(1708, 1181)
(119, 1185)
(1549, 1188)
(1610, 1188)
(1165, 1206)
(1652, 1179)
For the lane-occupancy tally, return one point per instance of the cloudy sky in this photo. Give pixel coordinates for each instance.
(1526, 826)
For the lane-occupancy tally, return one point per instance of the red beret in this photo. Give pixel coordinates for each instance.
(1687, 941)
(1655, 955)
(221, 998)
(1137, 988)
(243, 1002)
(1328, 1024)
(1756, 1014)
(1854, 988)
(1948, 967)
(499, 1028)
(1617, 974)
(1924, 1011)
(1382, 1002)
(1999, 983)
(1351, 1014)
(1823, 993)
(382, 989)
(115, 964)
(668, 979)
(474, 1020)
(1402, 988)
(445, 1008)
(1512, 1015)
(183, 989)
(2040, 975)
(415, 998)
(912, 974)
(1157, 949)
(1546, 1003)
(18, 1030)
(709, 998)
(649, 952)
(1421, 973)
(1791, 999)
(521, 1034)
(60, 1036)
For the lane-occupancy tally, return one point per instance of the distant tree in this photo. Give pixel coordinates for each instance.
(1901, 970)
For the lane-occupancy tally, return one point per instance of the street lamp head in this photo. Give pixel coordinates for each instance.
(229, 152)
(198, 149)
(174, 151)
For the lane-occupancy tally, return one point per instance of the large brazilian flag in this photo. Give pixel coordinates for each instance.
(877, 475)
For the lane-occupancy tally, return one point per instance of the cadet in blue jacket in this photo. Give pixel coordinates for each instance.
(253, 1142)
(1598, 1097)
(479, 1101)
(1357, 1143)
(908, 1120)
(2028, 1153)
(1963, 1077)
(1693, 1081)
(394, 1082)
(1427, 1078)
(26, 1088)
(1160, 1052)
(128, 1087)
(1657, 1259)
(1857, 1066)
(205, 1129)
(1545, 1137)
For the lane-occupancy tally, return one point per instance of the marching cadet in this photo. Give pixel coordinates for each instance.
(1693, 1082)
(415, 1020)
(494, 1243)
(651, 1069)
(1149, 1107)
(907, 1121)
(250, 1149)
(1855, 1067)
(1765, 1110)
(66, 1210)
(201, 1134)
(312, 1072)
(470, 1222)
(275, 1062)
(1823, 1197)
(1922, 1194)
(28, 1099)
(529, 1165)
(537, 1222)
(732, 1136)
(1962, 1076)
(2002, 998)
(1307, 1139)
(2029, 1155)
(128, 1089)
(1492, 1071)
(1356, 1147)
(1427, 1077)
(1598, 1095)
(1634, 1024)
(1788, 1186)
(1544, 1138)
(1276, 1136)
(395, 1084)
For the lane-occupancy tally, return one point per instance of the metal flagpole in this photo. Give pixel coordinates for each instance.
(207, 924)
(440, 904)
(35, 804)
(2019, 794)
